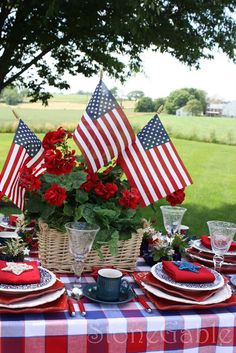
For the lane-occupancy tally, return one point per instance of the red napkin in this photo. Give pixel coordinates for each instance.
(148, 278)
(27, 277)
(206, 241)
(203, 275)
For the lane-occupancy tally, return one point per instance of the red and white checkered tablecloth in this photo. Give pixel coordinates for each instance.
(126, 328)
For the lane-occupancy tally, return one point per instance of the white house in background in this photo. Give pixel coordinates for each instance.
(214, 109)
(229, 109)
(182, 112)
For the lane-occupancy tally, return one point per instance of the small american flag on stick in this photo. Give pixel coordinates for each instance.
(104, 130)
(25, 151)
(152, 164)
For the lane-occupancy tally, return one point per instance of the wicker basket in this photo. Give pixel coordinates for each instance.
(54, 254)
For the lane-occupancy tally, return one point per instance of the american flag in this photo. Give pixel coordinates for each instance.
(25, 151)
(104, 130)
(152, 164)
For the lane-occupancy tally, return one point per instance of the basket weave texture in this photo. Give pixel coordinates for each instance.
(54, 252)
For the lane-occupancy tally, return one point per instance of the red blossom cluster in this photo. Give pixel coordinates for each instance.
(58, 159)
(55, 195)
(130, 199)
(176, 198)
(28, 180)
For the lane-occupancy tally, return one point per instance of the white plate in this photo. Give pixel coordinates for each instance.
(7, 235)
(198, 245)
(220, 296)
(159, 273)
(208, 260)
(47, 279)
(47, 298)
(6, 225)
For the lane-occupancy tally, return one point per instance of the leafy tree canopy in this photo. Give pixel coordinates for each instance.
(42, 40)
(180, 97)
(194, 106)
(135, 95)
(144, 104)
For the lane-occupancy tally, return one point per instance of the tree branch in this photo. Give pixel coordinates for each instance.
(27, 66)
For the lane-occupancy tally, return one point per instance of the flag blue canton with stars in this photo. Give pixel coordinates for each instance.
(153, 134)
(27, 139)
(102, 101)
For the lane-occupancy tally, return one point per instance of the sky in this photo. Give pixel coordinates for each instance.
(162, 74)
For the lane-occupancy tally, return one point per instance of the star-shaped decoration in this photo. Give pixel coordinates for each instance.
(185, 265)
(16, 268)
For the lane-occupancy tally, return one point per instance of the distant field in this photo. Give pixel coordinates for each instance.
(66, 110)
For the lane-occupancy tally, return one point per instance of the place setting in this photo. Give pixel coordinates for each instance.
(27, 287)
(218, 250)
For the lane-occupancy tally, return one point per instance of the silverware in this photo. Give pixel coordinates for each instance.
(142, 301)
(71, 308)
(77, 294)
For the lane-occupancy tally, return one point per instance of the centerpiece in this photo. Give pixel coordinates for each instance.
(67, 191)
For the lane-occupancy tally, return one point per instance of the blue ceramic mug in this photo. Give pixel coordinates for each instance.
(110, 284)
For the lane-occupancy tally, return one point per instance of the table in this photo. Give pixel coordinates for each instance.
(119, 329)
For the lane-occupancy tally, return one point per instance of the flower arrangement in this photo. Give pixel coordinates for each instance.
(14, 249)
(68, 191)
(161, 248)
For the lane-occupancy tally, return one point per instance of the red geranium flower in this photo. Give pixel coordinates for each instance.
(54, 137)
(55, 195)
(130, 199)
(92, 180)
(28, 180)
(176, 198)
(106, 191)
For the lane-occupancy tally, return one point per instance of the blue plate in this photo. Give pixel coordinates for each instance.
(90, 291)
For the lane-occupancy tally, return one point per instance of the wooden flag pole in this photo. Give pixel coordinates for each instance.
(101, 73)
(160, 109)
(15, 114)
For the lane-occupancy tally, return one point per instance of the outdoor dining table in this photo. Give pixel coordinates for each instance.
(120, 328)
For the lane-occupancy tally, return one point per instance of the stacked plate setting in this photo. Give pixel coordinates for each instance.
(201, 254)
(168, 294)
(47, 295)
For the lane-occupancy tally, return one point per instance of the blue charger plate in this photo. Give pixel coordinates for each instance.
(89, 291)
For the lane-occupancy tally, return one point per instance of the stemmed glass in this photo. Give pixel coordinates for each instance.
(172, 218)
(81, 236)
(221, 234)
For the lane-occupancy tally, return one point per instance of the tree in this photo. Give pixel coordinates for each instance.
(12, 96)
(114, 91)
(180, 97)
(194, 106)
(134, 95)
(145, 104)
(158, 103)
(176, 100)
(42, 40)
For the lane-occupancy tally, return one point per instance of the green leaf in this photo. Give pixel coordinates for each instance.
(81, 196)
(78, 213)
(88, 213)
(50, 178)
(105, 215)
(113, 243)
(47, 211)
(68, 210)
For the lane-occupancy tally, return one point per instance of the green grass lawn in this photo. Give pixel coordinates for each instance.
(213, 194)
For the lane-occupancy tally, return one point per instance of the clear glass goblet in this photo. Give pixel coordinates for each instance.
(172, 218)
(81, 236)
(221, 234)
